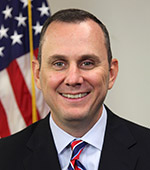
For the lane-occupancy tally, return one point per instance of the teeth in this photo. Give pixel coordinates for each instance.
(74, 96)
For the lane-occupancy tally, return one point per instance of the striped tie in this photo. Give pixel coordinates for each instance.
(77, 147)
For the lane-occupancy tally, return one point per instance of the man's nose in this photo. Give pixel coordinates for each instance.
(73, 76)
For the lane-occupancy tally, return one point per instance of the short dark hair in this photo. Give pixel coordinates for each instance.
(74, 16)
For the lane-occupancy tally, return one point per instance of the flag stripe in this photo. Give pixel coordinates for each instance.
(20, 89)
(10, 106)
(3, 122)
(24, 65)
(36, 53)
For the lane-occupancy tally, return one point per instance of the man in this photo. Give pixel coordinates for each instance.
(75, 70)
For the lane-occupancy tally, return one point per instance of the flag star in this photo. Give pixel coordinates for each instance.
(1, 53)
(44, 10)
(25, 3)
(21, 20)
(16, 38)
(3, 32)
(7, 12)
(37, 28)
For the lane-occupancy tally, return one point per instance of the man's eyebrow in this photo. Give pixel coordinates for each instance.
(56, 57)
(90, 56)
(81, 58)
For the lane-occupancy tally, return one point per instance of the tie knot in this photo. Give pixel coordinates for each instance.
(78, 144)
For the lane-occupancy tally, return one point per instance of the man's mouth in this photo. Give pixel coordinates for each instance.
(74, 96)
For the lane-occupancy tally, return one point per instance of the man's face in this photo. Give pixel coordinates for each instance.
(75, 74)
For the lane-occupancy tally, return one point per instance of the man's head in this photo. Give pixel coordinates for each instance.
(74, 74)
(74, 16)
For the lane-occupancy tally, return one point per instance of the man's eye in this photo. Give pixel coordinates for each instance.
(87, 65)
(59, 65)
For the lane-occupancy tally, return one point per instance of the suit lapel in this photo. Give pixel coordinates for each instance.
(119, 144)
(41, 151)
(117, 153)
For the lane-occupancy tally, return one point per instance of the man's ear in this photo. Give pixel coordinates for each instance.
(113, 72)
(36, 72)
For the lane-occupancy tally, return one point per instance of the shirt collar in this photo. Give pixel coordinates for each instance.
(94, 136)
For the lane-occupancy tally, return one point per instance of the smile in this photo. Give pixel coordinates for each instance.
(75, 96)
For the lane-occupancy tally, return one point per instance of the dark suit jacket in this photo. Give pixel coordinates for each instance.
(126, 147)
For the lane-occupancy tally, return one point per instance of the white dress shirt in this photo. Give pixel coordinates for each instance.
(90, 156)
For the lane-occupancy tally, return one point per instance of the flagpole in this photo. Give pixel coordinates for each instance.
(34, 113)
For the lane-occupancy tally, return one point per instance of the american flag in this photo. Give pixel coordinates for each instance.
(15, 62)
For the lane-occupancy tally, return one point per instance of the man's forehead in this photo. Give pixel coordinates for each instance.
(88, 23)
(61, 35)
(61, 30)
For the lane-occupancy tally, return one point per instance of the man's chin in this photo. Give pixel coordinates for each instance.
(76, 117)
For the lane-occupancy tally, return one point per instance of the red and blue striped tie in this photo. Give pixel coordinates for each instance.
(77, 147)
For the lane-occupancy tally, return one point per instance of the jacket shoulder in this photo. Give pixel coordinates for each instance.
(140, 133)
(14, 147)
